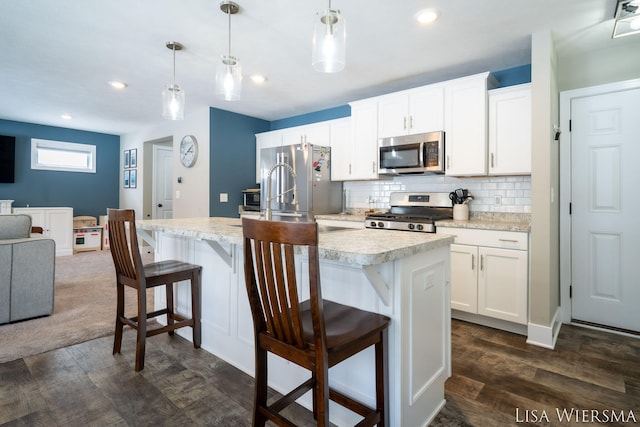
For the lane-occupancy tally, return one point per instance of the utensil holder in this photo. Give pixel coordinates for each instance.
(461, 212)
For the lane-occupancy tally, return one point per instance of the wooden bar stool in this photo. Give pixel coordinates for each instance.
(131, 272)
(315, 334)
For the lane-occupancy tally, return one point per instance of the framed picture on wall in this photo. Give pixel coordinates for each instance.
(126, 178)
(133, 158)
(127, 158)
(133, 177)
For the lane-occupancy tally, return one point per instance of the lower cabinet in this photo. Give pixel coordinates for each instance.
(489, 273)
(57, 224)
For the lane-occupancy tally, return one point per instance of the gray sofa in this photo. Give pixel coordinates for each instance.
(27, 270)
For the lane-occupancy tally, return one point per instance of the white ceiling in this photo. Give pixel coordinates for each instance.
(57, 56)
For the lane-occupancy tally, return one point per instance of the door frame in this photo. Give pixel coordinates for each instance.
(566, 98)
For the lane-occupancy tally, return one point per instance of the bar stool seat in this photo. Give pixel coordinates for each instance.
(315, 334)
(131, 272)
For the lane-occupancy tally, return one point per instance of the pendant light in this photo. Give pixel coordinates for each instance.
(173, 95)
(329, 37)
(229, 72)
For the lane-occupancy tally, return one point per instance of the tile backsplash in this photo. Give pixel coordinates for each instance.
(503, 194)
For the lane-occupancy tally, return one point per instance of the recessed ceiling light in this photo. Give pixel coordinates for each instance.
(258, 78)
(427, 16)
(67, 116)
(118, 85)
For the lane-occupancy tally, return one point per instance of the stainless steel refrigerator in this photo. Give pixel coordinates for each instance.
(296, 182)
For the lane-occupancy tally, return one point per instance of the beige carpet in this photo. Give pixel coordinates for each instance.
(84, 308)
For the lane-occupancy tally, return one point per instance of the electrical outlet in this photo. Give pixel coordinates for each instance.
(498, 199)
(224, 197)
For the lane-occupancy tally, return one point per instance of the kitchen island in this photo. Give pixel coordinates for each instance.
(400, 274)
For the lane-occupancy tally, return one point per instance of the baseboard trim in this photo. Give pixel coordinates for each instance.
(543, 335)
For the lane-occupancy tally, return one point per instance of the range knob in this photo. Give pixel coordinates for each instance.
(411, 226)
(373, 224)
(420, 227)
(381, 224)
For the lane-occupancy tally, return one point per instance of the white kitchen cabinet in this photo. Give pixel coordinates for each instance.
(57, 224)
(411, 111)
(341, 149)
(360, 161)
(510, 130)
(465, 124)
(316, 134)
(489, 273)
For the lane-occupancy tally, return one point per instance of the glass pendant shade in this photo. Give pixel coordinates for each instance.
(173, 102)
(329, 42)
(229, 78)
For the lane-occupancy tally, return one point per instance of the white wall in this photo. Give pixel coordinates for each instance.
(194, 190)
(618, 63)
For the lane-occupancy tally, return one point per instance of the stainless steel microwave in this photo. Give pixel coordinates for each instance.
(411, 154)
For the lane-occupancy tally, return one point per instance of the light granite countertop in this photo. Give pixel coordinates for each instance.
(348, 245)
(492, 221)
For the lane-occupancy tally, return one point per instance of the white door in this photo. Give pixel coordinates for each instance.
(162, 182)
(605, 235)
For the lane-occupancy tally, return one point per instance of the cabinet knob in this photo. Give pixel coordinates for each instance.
(159, 205)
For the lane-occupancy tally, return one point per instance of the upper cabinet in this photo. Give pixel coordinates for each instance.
(316, 134)
(411, 111)
(465, 118)
(363, 158)
(510, 130)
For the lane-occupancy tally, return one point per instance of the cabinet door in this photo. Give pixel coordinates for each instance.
(426, 109)
(464, 278)
(342, 149)
(60, 229)
(466, 127)
(502, 284)
(393, 112)
(510, 130)
(318, 134)
(364, 160)
(38, 218)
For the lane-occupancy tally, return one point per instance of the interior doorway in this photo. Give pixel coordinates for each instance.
(149, 176)
(600, 238)
(162, 182)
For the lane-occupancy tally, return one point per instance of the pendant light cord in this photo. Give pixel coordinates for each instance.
(174, 64)
(229, 28)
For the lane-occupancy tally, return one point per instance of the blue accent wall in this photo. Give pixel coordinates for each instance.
(513, 76)
(87, 193)
(233, 158)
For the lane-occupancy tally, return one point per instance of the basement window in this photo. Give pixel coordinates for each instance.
(62, 156)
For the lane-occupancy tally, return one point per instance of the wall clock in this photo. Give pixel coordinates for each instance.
(188, 150)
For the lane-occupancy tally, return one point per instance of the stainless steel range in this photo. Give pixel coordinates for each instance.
(412, 212)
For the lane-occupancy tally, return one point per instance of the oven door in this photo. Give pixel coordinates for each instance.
(402, 158)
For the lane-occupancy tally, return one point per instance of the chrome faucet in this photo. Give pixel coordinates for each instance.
(268, 211)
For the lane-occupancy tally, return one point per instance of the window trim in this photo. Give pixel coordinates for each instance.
(88, 149)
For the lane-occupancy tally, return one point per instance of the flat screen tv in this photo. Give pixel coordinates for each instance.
(7, 158)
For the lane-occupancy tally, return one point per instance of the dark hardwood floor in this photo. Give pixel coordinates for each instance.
(498, 380)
